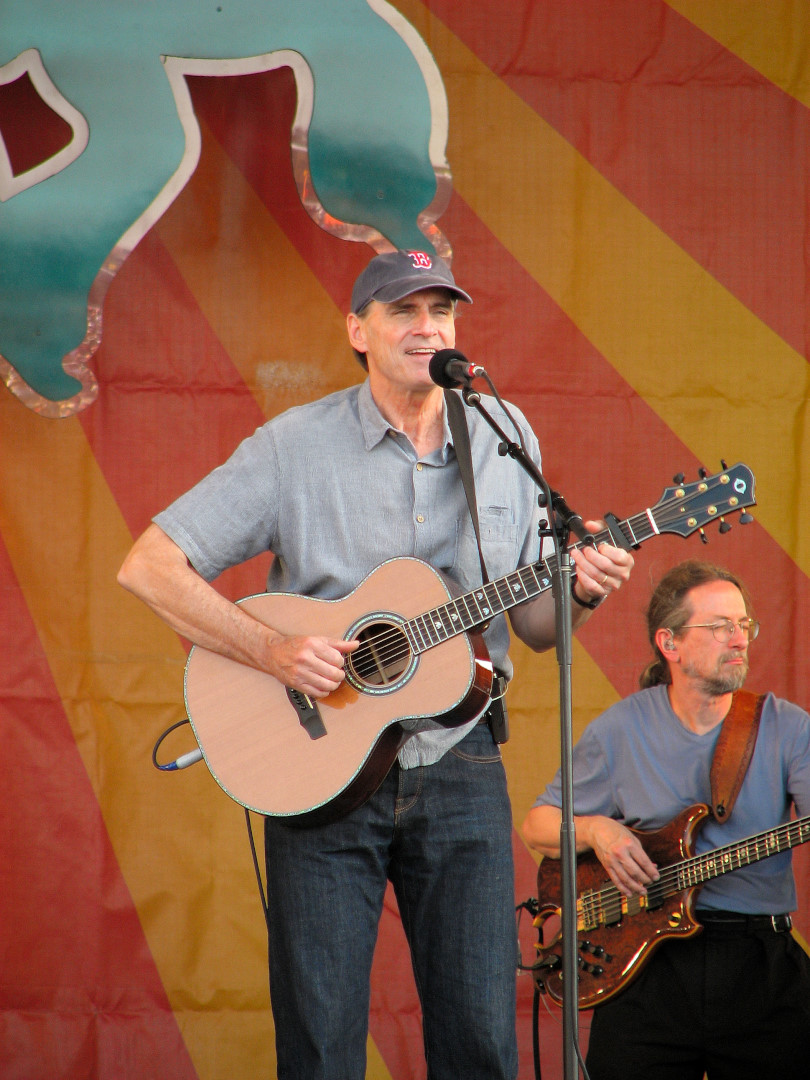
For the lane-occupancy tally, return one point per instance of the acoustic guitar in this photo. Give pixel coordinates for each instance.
(422, 655)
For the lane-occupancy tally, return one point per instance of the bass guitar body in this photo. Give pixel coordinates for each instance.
(617, 934)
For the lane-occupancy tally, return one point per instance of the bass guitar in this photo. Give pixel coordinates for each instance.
(421, 655)
(618, 934)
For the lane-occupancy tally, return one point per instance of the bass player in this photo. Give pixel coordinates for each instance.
(733, 999)
(333, 489)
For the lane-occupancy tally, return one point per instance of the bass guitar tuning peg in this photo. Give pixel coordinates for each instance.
(725, 526)
(703, 537)
(678, 478)
(703, 473)
(746, 518)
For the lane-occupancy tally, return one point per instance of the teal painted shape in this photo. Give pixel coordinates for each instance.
(368, 141)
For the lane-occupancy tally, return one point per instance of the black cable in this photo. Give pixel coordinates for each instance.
(262, 894)
(536, 1032)
(172, 765)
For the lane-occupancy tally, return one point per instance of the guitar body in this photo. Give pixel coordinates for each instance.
(282, 760)
(616, 936)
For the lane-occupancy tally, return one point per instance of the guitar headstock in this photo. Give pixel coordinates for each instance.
(685, 508)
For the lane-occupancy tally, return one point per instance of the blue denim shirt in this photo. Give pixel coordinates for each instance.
(332, 490)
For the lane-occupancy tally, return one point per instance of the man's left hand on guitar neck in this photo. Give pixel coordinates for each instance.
(599, 572)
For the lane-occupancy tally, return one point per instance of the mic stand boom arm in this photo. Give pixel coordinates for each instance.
(561, 590)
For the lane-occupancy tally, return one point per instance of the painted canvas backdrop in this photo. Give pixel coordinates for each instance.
(629, 212)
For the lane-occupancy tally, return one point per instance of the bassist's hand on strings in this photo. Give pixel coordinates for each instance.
(620, 852)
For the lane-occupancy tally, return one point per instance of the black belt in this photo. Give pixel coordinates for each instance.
(736, 920)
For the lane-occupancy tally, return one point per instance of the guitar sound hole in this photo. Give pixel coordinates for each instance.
(382, 658)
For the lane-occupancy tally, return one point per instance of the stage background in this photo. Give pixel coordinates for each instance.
(630, 213)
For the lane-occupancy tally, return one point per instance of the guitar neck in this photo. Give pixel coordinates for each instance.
(607, 905)
(484, 603)
(681, 510)
(712, 864)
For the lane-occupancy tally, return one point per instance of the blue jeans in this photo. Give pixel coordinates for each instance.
(443, 835)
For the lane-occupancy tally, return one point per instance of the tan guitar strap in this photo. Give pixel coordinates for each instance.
(732, 754)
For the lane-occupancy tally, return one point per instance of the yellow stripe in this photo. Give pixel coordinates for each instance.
(179, 841)
(274, 319)
(772, 36)
(532, 755)
(715, 374)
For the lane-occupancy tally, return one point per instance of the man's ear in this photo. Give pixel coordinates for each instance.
(665, 641)
(357, 337)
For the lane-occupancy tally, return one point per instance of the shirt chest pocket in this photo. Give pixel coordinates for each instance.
(499, 539)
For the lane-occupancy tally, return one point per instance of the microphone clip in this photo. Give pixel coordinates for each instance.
(570, 520)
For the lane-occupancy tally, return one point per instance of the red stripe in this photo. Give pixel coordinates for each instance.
(80, 995)
(706, 147)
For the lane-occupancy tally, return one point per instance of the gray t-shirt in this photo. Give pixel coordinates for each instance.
(332, 490)
(637, 763)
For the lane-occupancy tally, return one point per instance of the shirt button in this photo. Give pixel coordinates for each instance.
(419, 466)
(420, 519)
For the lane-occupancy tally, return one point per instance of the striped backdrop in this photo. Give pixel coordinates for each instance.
(630, 212)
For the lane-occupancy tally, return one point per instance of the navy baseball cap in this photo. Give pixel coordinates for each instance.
(396, 274)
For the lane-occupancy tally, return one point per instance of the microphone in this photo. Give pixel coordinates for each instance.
(452, 369)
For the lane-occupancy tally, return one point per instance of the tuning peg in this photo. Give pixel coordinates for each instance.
(746, 518)
(723, 464)
(703, 473)
(678, 478)
(703, 537)
(725, 526)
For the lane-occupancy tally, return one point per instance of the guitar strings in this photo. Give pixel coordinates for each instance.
(390, 651)
(697, 869)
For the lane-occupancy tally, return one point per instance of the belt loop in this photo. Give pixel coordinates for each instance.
(782, 924)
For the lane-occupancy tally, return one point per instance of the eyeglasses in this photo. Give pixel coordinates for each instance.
(724, 631)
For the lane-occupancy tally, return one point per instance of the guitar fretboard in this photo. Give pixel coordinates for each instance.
(606, 906)
(482, 604)
(703, 868)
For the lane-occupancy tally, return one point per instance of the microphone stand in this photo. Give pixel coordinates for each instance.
(562, 519)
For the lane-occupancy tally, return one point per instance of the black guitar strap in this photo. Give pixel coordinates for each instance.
(461, 441)
(497, 717)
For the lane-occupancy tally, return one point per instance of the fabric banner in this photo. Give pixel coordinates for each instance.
(622, 186)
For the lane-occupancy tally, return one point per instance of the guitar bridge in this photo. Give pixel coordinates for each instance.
(309, 714)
